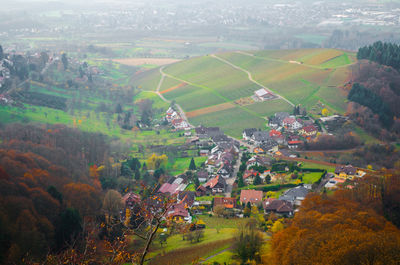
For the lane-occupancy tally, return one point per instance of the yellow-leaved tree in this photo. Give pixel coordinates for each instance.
(154, 161)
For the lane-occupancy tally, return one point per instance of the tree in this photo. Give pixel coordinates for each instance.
(257, 180)
(1, 53)
(219, 210)
(324, 112)
(112, 204)
(278, 226)
(55, 193)
(192, 165)
(118, 108)
(247, 211)
(64, 61)
(68, 227)
(248, 242)
(154, 162)
(240, 180)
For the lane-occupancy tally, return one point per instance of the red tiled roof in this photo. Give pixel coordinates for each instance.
(310, 128)
(249, 173)
(295, 142)
(227, 202)
(275, 133)
(252, 196)
(212, 182)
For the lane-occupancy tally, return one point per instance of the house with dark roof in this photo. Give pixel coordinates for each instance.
(278, 206)
(248, 133)
(201, 191)
(269, 146)
(225, 170)
(291, 124)
(252, 196)
(345, 172)
(280, 116)
(295, 195)
(178, 213)
(260, 137)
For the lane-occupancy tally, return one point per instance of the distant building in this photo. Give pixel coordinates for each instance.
(262, 94)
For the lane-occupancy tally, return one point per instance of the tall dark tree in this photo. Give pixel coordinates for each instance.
(192, 165)
(257, 180)
(64, 61)
(68, 227)
(1, 53)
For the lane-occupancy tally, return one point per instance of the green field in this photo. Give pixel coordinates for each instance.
(311, 77)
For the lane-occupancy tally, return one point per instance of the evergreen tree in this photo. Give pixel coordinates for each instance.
(192, 165)
(137, 174)
(1, 53)
(240, 180)
(64, 61)
(257, 180)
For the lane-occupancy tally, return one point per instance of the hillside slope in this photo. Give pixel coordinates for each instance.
(217, 90)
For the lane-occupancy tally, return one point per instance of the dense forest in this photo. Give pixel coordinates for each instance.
(374, 97)
(382, 53)
(47, 190)
(346, 228)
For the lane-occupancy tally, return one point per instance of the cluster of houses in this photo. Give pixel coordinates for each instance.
(4, 71)
(287, 130)
(175, 119)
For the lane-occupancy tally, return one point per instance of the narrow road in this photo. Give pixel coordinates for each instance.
(182, 113)
(216, 254)
(251, 78)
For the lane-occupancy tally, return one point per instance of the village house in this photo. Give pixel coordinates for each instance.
(259, 161)
(228, 203)
(176, 186)
(308, 131)
(225, 170)
(252, 196)
(345, 172)
(280, 207)
(202, 175)
(130, 199)
(178, 213)
(186, 198)
(291, 124)
(295, 195)
(260, 137)
(249, 176)
(215, 185)
(248, 133)
(269, 147)
(294, 144)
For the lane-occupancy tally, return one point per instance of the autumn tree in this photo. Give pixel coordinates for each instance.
(336, 230)
(154, 161)
(112, 204)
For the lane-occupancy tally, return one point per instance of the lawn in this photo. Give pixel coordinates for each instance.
(180, 165)
(312, 177)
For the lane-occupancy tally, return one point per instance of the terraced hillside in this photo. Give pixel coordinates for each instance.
(217, 90)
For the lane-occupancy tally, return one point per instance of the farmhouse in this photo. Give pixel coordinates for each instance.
(178, 213)
(252, 196)
(262, 94)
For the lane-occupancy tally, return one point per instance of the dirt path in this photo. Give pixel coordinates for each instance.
(182, 113)
(251, 78)
(216, 254)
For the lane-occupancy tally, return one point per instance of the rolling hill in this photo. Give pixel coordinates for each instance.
(216, 90)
